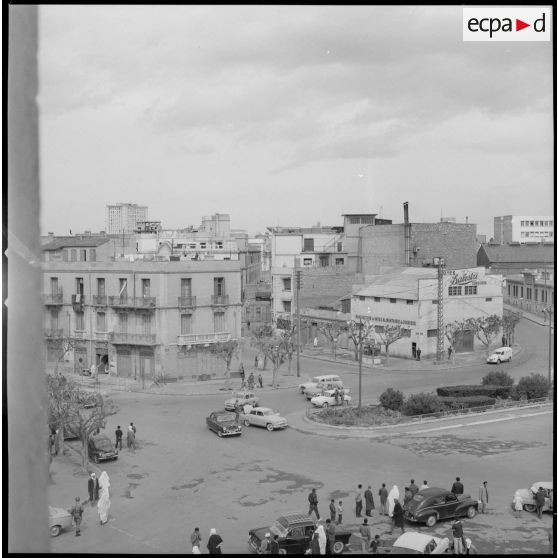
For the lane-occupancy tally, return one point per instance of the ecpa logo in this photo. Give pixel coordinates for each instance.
(506, 24)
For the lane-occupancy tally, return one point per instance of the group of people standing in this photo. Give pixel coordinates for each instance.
(130, 437)
(214, 542)
(250, 383)
(98, 489)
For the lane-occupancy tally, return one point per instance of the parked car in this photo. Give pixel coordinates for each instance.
(242, 398)
(528, 496)
(432, 504)
(325, 378)
(327, 399)
(321, 387)
(413, 542)
(503, 354)
(223, 423)
(295, 532)
(266, 417)
(101, 448)
(58, 519)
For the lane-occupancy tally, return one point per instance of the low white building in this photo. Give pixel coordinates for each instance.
(408, 297)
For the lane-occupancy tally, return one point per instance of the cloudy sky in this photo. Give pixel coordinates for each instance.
(288, 116)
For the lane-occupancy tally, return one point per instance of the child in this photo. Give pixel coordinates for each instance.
(339, 512)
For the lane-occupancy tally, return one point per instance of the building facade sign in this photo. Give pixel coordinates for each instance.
(388, 320)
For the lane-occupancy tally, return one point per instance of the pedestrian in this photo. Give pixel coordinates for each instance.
(383, 494)
(457, 486)
(339, 512)
(330, 534)
(133, 427)
(256, 362)
(313, 501)
(398, 518)
(274, 545)
(260, 380)
(517, 504)
(315, 543)
(118, 434)
(265, 544)
(470, 547)
(457, 532)
(368, 501)
(242, 375)
(322, 537)
(214, 542)
(358, 500)
(195, 539)
(392, 496)
(424, 486)
(91, 487)
(365, 536)
(375, 544)
(315, 342)
(450, 350)
(413, 487)
(483, 496)
(332, 510)
(237, 409)
(76, 513)
(251, 381)
(540, 498)
(408, 496)
(336, 395)
(418, 353)
(131, 437)
(103, 505)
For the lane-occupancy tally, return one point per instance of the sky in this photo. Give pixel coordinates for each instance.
(288, 115)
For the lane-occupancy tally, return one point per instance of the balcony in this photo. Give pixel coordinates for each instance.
(54, 333)
(99, 300)
(132, 302)
(80, 334)
(102, 335)
(203, 338)
(219, 300)
(78, 300)
(53, 299)
(133, 338)
(186, 301)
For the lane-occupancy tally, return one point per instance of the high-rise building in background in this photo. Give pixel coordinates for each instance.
(523, 229)
(124, 218)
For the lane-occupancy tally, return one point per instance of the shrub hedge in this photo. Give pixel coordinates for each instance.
(466, 402)
(469, 391)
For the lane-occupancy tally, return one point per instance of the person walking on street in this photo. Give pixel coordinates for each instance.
(195, 539)
(450, 350)
(424, 486)
(332, 510)
(260, 380)
(517, 504)
(418, 353)
(242, 375)
(483, 496)
(118, 434)
(103, 506)
(365, 536)
(339, 512)
(91, 482)
(540, 498)
(131, 437)
(77, 513)
(457, 532)
(383, 494)
(133, 427)
(413, 487)
(251, 381)
(330, 534)
(313, 501)
(214, 542)
(457, 486)
(358, 500)
(368, 501)
(398, 518)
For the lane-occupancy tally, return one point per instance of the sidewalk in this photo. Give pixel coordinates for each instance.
(536, 318)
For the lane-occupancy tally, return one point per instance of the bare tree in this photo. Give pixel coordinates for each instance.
(277, 349)
(485, 329)
(331, 331)
(452, 332)
(509, 321)
(260, 337)
(358, 331)
(388, 335)
(225, 351)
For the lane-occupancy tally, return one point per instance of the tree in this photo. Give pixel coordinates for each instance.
(452, 332)
(260, 337)
(497, 378)
(276, 350)
(390, 334)
(332, 331)
(392, 399)
(509, 321)
(358, 331)
(485, 329)
(289, 340)
(225, 351)
(68, 412)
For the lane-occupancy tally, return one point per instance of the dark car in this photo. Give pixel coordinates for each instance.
(101, 448)
(432, 504)
(295, 532)
(223, 423)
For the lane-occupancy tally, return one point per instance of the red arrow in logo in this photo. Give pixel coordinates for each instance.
(519, 25)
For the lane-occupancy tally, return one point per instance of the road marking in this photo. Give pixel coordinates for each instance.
(436, 428)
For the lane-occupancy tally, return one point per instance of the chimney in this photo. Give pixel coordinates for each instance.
(407, 228)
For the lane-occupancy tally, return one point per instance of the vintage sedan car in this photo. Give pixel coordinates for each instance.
(101, 448)
(432, 504)
(324, 378)
(241, 398)
(528, 496)
(327, 399)
(58, 519)
(413, 542)
(266, 417)
(223, 423)
(321, 387)
(294, 531)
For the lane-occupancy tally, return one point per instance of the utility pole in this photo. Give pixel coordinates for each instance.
(360, 365)
(440, 263)
(298, 284)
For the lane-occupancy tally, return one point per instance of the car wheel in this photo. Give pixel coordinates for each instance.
(338, 547)
(530, 507)
(471, 512)
(325, 405)
(246, 422)
(269, 426)
(96, 459)
(282, 551)
(55, 530)
(499, 361)
(220, 434)
(431, 521)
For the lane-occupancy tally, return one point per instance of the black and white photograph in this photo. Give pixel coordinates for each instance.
(279, 279)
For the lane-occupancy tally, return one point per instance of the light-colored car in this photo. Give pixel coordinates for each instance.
(327, 399)
(265, 417)
(503, 354)
(528, 496)
(413, 542)
(241, 398)
(321, 387)
(58, 519)
(323, 379)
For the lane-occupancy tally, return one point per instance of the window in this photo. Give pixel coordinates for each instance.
(529, 293)
(340, 247)
(123, 323)
(454, 291)
(362, 298)
(377, 299)
(509, 289)
(392, 300)
(80, 321)
(405, 332)
(203, 245)
(536, 294)
(219, 244)
(54, 313)
(324, 261)
(101, 324)
(123, 288)
(145, 287)
(488, 299)
(379, 329)
(218, 322)
(521, 291)
(73, 255)
(83, 255)
(286, 305)
(219, 286)
(339, 261)
(258, 311)
(286, 283)
(79, 285)
(54, 285)
(185, 287)
(100, 287)
(146, 322)
(432, 333)
(307, 261)
(93, 255)
(410, 302)
(470, 289)
(185, 324)
(435, 301)
(308, 245)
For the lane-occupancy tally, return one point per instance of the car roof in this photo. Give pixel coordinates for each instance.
(545, 484)
(434, 491)
(264, 409)
(221, 412)
(414, 540)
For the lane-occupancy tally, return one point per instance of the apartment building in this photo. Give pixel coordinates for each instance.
(524, 229)
(532, 290)
(125, 218)
(140, 319)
